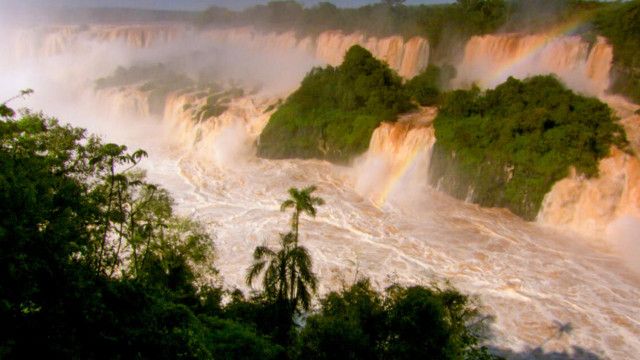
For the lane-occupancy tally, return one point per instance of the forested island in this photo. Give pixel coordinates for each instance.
(334, 112)
(506, 147)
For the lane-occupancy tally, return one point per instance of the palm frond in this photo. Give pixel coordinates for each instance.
(254, 270)
(287, 239)
(287, 204)
(271, 279)
(263, 252)
(309, 189)
(303, 295)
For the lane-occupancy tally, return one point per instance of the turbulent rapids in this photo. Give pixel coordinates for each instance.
(574, 265)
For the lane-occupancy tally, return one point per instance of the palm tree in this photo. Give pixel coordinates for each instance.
(288, 276)
(302, 201)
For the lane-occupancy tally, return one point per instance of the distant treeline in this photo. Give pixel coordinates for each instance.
(437, 22)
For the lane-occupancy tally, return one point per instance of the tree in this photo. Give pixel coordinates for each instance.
(302, 201)
(425, 88)
(72, 224)
(288, 280)
(349, 325)
(334, 112)
(288, 272)
(415, 322)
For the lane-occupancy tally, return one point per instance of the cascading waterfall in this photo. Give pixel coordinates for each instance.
(380, 218)
(490, 59)
(225, 139)
(407, 57)
(586, 206)
(398, 153)
(54, 40)
(124, 101)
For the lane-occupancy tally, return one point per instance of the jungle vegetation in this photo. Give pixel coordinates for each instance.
(507, 146)
(95, 264)
(335, 110)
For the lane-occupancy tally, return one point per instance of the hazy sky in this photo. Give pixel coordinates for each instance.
(183, 4)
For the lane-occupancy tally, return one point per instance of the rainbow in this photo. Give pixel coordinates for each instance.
(565, 29)
(395, 177)
(507, 68)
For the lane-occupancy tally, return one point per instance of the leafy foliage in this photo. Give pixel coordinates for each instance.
(334, 112)
(508, 146)
(404, 323)
(302, 202)
(620, 23)
(425, 88)
(94, 264)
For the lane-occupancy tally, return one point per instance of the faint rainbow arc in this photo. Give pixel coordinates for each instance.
(557, 32)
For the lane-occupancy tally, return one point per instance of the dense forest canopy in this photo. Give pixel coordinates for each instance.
(506, 147)
(621, 25)
(335, 110)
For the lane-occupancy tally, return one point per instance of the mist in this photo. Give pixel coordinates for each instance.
(63, 63)
(622, 235)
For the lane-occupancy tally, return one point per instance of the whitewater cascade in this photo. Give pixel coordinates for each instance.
(398, 153)
(55, 40)
(225, 139)
(407, 57)
(124, 101)
(490, 59)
